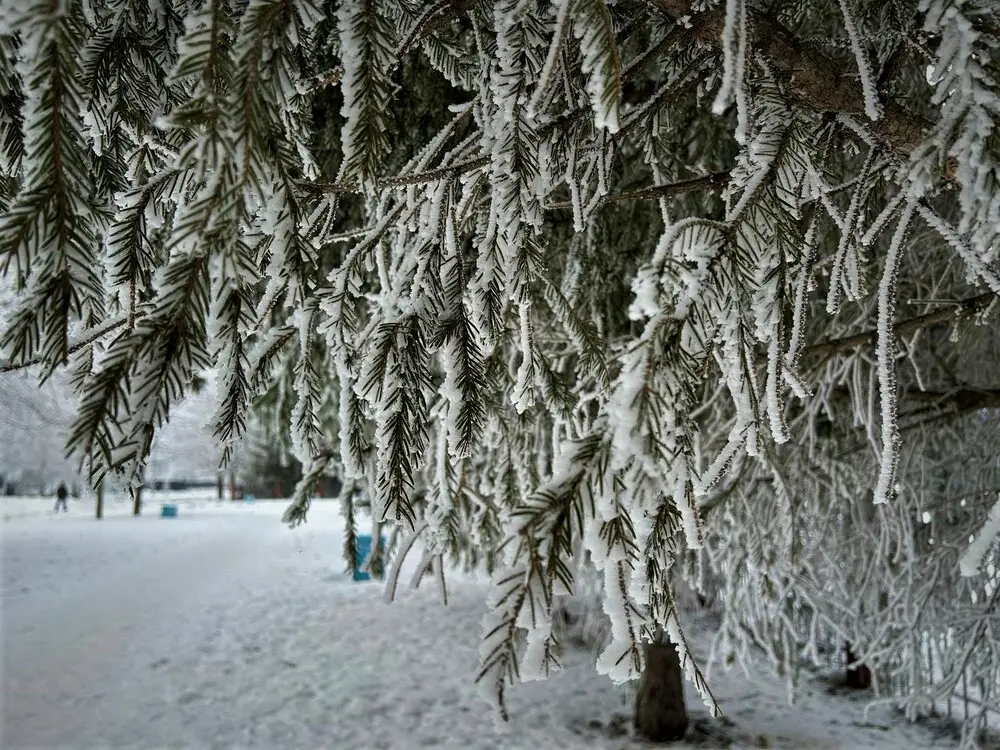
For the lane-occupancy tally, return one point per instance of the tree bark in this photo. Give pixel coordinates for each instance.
(809, 76)
(137, 501)
(859, 677)
(660, 714)
(100, 500)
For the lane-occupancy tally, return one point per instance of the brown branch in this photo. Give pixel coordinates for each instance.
(402, 180)
(713, 181)
(89, 338)
(436, 174)
(808, 76)
(868, 338)
(960, 399)
(936, 405)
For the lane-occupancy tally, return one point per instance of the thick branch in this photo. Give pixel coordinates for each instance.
(868, 338)
(809, 77)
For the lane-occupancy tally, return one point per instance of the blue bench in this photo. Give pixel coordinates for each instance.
(364, 548)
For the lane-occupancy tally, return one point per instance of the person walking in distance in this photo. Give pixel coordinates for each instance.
(61, 494)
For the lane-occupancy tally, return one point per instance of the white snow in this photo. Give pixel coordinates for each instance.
(972, 560)
(224, 628)
(873, 108)
(885, 352)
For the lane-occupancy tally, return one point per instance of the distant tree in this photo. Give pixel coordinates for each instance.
(271, 471)
(705, 289)
(34, 424)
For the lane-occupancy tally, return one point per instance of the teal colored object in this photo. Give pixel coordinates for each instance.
(364, 548)
(250, 499)
(168, 511)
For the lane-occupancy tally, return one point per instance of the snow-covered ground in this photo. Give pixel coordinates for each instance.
(223, 628)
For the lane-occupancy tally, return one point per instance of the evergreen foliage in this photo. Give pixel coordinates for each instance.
(705, 290)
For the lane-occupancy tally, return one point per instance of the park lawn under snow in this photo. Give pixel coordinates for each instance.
(223, 628)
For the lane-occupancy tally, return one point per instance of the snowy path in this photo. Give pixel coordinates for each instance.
(78, 654)
(223, 629)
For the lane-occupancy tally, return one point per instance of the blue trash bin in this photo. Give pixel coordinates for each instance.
(364, 548)
(168, 511)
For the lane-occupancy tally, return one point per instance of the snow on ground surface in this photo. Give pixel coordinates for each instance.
(222, 628)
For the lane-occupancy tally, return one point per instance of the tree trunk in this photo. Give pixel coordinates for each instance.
(137, 495)
(660, 715)
(100, 500)
(859, 677)
(219, 483)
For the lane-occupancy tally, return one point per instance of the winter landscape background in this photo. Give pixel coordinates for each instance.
(222, 628)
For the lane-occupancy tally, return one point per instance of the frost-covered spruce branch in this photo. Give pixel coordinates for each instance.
(542, 282)
(84, 341)
(949, 311)
(713, 181)
(811, 77)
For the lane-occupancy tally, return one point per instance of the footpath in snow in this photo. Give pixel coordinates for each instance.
(222, 628)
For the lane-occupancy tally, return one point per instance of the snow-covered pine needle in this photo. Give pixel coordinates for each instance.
(885, 352)
(873, 107)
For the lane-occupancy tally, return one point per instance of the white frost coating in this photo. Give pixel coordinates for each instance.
(690, 520)
(558, 35)
(92, 125)
(627, 441)
(873, 108)
(537, 662)
(592, 26)
(729, 48)
(354, 54)
(352, 469)
(885, 352)
(523, 395)
(775, 408)
(646, 291)
(535, 618)
(977, 269)
(451, 392)
(502, 607)
(439, 496)
(734, 45)
(721, 463)
(621, 659)
(972, 560)
(882, 220)
(696, 243)
(303, 424)
(801, 291)
(645, 284)
(672, 627)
